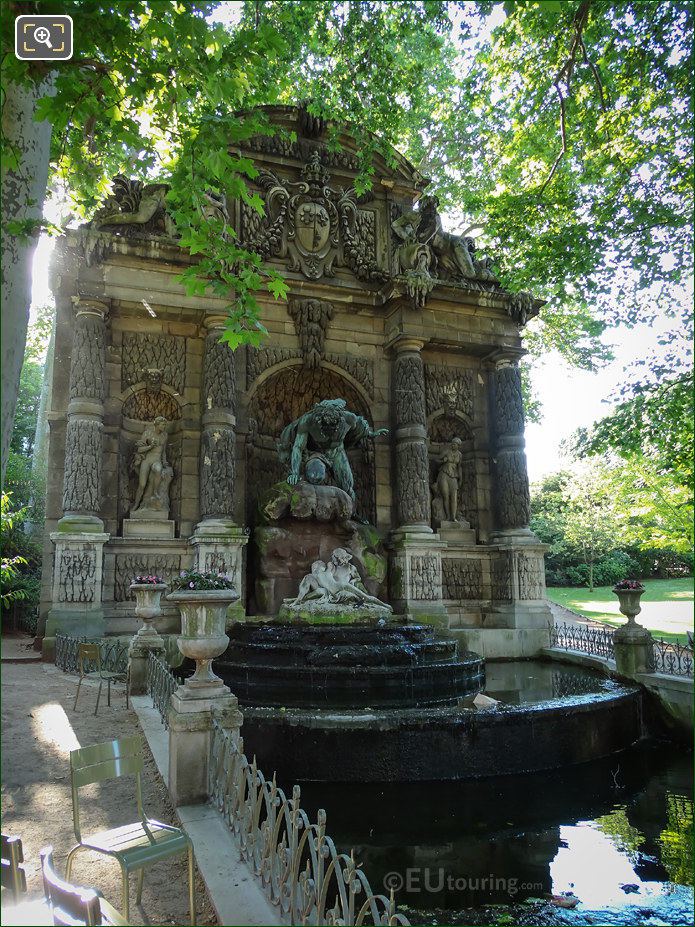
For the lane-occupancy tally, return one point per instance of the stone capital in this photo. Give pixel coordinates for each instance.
(407, 344)
(505, 357)
(215, 321)
(86, 306)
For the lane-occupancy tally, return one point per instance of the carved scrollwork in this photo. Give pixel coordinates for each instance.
(312, 224)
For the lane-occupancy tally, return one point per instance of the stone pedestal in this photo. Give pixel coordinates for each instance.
(77, 580)
(144, 643)
(136, 527)
(416, 577)
(457, 533)
(220, 548)
(634, 647)
(190, 725)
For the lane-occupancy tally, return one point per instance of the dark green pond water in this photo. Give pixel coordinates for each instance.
(616, 834)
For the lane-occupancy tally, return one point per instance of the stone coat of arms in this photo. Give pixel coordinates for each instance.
(312, 224)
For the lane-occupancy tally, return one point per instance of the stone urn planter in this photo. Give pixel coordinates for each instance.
(632, 643)
(629, 594)
(148, 605)
(203, 618)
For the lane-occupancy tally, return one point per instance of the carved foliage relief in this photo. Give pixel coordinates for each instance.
(217, 471)
(462, 578)
(509, 407)
(311, 318)
(129, 565)
(423, 578)
(83, 457)
(531, 584)
(449, 388)
(77, 568)
(501, 576)
(87, 362)
(412, 482)
(512, 498)
(143, 351)
(409, 390)
(219, 389)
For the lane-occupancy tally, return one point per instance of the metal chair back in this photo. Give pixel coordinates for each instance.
(91, 652)
(13, 876)
(69, 904)
(112, 760)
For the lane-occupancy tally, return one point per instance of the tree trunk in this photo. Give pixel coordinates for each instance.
(24, 192)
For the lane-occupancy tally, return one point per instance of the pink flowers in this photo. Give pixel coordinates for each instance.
(628, 584)
(148, 579)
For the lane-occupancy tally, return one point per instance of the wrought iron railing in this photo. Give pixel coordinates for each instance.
(161, 682)
(672, 657)
(586, 638)
(300, 869)
(113, 652)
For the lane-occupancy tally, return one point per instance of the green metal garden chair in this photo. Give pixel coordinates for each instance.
(71, 905)
(13, 876)
(134, 846)
(91, 653)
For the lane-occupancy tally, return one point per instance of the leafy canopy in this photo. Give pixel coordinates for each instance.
(560, 130)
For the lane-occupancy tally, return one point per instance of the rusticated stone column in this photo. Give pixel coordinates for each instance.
(512, 507)
(219, 540)
(412, 464)
(416, 562)
(80, 538)
(82, 487)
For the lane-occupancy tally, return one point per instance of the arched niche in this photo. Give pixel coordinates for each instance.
(280, 398)
(140, 406)
(443, 427)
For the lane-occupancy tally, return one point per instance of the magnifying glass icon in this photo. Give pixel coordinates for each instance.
(43, 36)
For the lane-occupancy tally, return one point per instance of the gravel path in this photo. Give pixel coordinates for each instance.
(39, 728)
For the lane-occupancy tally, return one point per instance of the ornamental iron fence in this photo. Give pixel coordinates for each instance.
(301, 871)
(113, 652)
(583, 637)
(672, 658)
(161, 683)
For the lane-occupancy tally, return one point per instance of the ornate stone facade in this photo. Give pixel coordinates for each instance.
(386, 309)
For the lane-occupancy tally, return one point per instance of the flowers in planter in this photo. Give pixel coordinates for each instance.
(194, 579)
(148, 580)
(629, 584)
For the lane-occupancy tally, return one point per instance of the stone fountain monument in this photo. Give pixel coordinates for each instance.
(381, 417)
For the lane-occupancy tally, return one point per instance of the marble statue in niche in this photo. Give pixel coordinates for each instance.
(445, 491)
(328, 429)
(153, 472)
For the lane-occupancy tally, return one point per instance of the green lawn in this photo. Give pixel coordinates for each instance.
(667, 605)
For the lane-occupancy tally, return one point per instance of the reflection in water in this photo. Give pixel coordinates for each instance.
(598, 867)
(520, 682)
(676, 839)
(614, 833)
